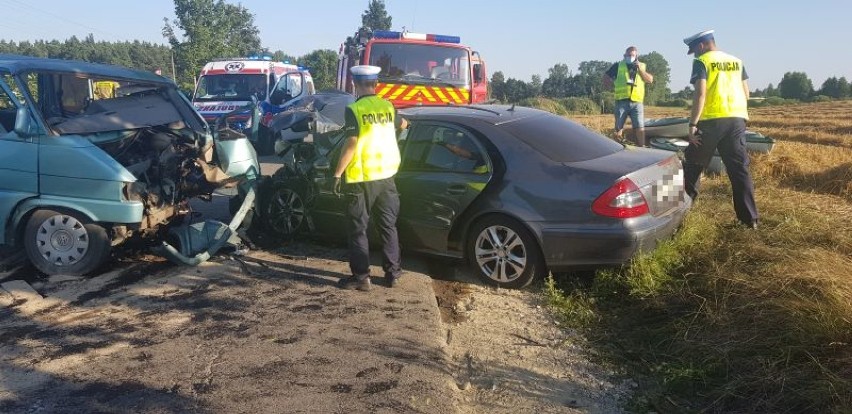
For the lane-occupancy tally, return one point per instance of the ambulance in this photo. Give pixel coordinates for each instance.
(225, 85)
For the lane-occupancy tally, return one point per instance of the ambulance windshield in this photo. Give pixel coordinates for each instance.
(230, 87)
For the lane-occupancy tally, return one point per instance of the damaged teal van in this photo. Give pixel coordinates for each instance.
(92, 155)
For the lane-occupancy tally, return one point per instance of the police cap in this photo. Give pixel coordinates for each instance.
(365, 72)
(697, 38)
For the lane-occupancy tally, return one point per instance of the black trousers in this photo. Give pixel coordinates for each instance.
(728, 136)
(378, 200)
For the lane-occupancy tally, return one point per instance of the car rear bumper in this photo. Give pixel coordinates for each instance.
(572, 247)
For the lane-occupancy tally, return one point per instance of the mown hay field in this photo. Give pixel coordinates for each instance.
(726, 319)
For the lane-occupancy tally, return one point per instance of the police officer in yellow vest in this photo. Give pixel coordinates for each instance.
(629, 76)
(718, 121)
(365, 175)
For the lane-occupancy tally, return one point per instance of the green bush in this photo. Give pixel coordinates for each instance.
(773, 101)
(607, 102)
(821, 98)
(580, 106)
(544, 104)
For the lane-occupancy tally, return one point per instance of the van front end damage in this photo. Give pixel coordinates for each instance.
(237, 166)
(97, 155)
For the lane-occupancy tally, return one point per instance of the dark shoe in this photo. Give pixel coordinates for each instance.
(392, 281)
(752, 225)
(352, 283)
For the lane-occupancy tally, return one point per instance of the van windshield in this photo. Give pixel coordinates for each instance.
(230, 87)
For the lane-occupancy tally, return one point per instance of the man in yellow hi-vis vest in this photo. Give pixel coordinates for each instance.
(629, 76)
(369, 161)
(718, 121)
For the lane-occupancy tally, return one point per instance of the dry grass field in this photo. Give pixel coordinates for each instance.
(725, 319)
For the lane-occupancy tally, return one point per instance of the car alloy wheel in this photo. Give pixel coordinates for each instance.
(500, 254)
(504, 252)
(285, 212)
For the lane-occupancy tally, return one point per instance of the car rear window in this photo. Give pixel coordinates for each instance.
(560, 139)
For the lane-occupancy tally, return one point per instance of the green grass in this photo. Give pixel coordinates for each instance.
(725, 319)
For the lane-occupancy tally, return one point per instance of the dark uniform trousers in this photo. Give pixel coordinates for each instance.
(728, 135)
(378, 200)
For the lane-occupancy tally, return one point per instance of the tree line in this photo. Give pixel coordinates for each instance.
(584, 91)
(797, 85)
(203, 30)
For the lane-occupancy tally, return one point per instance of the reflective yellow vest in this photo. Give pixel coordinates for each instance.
(623, 90)
(725, 95)
(376, 152)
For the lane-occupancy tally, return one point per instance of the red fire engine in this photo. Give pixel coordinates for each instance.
(417, 69)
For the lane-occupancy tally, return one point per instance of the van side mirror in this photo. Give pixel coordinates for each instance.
(23, 123)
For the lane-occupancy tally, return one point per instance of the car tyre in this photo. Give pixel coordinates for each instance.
(283, 208)
(65, 243)
(503, 252)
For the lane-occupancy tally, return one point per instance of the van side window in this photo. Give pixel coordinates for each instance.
(13, 86)
(8, 108)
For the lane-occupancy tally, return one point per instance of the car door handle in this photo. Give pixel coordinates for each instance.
(457, 189)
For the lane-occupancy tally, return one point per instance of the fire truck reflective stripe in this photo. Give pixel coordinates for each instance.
(423, 93)
(419, 90)
(384, 91)
(399, 90)
(454, 95)
(440, 94)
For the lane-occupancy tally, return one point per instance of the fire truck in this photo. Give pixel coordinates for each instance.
(225, 85)
(417, 69)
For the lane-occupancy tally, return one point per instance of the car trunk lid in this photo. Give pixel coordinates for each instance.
(661, 184)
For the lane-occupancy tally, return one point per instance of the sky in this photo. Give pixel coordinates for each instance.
(519, 38)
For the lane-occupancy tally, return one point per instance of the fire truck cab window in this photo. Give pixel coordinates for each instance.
(417, 63)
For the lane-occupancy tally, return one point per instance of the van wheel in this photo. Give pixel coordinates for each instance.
(65, 243)
(504, 253)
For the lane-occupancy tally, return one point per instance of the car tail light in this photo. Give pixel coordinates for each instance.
(622, 200)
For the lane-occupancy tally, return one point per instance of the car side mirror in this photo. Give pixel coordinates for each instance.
(23, 123)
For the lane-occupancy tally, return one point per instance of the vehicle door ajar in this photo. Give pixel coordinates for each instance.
(288, 88)
(18, 152)
(444, 168)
